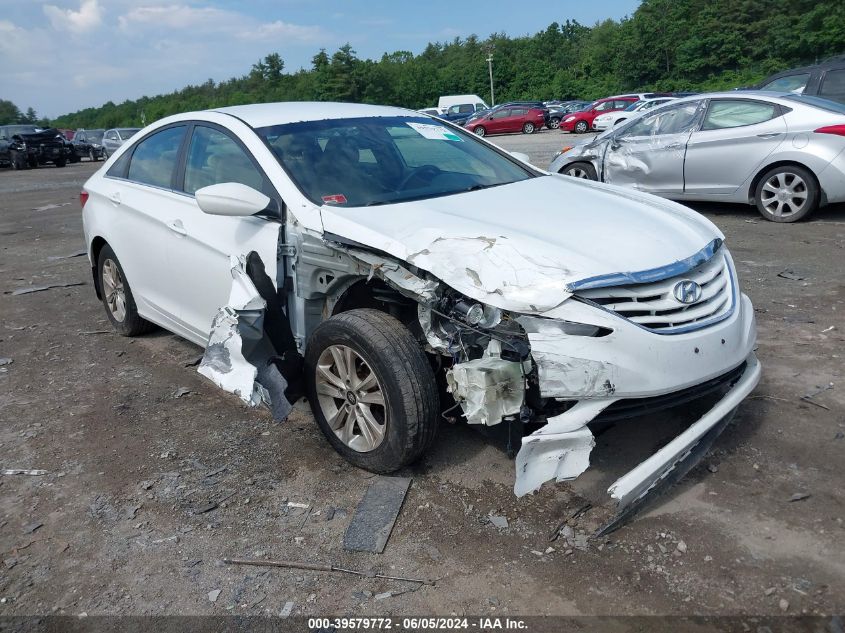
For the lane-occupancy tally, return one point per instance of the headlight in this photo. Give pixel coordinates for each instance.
(569, 118)
(476, 314)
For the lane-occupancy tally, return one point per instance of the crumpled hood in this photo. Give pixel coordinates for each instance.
(44, 136)
(518, 246)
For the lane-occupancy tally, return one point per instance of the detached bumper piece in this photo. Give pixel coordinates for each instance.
(673, 461)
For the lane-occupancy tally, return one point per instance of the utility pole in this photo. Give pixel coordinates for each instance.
(490, 69)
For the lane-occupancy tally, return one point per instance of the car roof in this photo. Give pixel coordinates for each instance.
(265, 114)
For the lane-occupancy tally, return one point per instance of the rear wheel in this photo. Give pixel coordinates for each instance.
(580, 170)
(581, 127)
(528, 128)
(479, 131)
(554, 123)
(372, 389)
(117, 296)
(786, 194)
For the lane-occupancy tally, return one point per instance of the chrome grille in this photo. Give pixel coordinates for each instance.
(654, 306)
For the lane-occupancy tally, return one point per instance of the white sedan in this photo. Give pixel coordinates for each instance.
(606, 121)
(359, 250)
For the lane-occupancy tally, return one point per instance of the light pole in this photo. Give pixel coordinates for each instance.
(490, 69)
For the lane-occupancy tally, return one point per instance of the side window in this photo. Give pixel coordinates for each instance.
(112, 136)
(214, 157)
(833, 85)
(501, 114)
(479, 106)
(672, 120)
(519, 111)
(726, 113)
(154, 158)
(604, 106)
(790, 83)
(467, 107)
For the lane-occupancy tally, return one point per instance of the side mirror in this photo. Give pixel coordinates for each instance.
(525, 158)
(232, 199)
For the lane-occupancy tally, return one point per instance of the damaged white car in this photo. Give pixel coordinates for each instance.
(368, 255)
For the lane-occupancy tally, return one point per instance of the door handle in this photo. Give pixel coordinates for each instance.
(115, 197)
(177, 227)
(769, 135)
(674, 146)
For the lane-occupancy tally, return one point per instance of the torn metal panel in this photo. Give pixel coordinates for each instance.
(238, 356)
(489, 388)
(397, 275)
(560, 450)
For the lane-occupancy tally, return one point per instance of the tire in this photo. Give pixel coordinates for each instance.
(786, 194)
(116, 292)
(554, 123)
(479, 131)
(105, 154)
(61, 162)
(580, 170)
(528, 128)
(381, 437)
(33, 162)
(581, 127)
(17, 161)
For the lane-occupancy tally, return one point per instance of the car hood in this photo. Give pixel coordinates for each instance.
(520, 246)
(43, 136)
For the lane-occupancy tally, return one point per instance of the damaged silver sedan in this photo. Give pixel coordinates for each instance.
(384, 263)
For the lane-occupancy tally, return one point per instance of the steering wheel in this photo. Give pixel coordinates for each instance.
(418, 171)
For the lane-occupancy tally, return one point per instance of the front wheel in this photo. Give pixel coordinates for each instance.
(17, 160)
(554, 123)
(580, 170)
(786, 194)
(117, 296)
(528, 128)
(479, 131)
(581, 127)
(371, 389)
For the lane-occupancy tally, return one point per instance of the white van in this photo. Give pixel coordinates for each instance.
(474, 101)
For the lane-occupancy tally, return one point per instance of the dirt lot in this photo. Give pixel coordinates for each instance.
(122, 523)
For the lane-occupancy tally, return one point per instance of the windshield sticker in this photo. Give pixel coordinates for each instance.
(335, 198)
(434, 132)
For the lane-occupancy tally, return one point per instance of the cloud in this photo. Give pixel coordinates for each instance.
(284, 31)
(87, 18)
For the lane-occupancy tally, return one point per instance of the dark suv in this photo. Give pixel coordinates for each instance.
(23, 146)
(826, 80)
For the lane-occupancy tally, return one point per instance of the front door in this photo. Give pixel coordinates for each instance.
(649, 155)
(201, 245)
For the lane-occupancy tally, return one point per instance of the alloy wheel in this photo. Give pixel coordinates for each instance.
(114, 290)
(578, 172)
(351, 398)
(784, 194)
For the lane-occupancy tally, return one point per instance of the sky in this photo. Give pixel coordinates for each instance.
(60, 56)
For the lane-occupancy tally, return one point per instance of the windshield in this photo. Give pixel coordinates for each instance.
(818, 102)
(382, 160)
(22, 129)
(126, 132)
(94, 136)
(634, 106)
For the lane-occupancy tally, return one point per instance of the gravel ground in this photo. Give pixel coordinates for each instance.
(146, 492)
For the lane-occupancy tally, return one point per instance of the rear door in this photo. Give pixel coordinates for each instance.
(199, 244)
(516, 119)
(138, 192)
(735, 138)
(649, 154)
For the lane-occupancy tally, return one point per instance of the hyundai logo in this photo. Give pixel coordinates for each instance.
(687, 291)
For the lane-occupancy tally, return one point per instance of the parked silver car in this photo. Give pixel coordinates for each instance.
(116, 137)
(784, 153)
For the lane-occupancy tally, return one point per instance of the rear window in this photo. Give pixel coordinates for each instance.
(833, 85)
(790, 83)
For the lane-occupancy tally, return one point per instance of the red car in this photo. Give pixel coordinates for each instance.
(508, 119)
(582, 121)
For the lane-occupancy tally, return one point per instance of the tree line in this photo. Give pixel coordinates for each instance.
(11, 114)
(681, 45)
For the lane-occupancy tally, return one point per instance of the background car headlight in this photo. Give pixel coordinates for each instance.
(569, 118)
